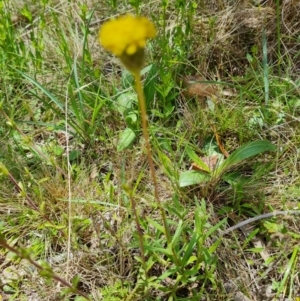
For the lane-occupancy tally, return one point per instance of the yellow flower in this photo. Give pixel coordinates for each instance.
(126, 35)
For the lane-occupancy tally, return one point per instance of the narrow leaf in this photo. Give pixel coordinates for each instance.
(265, 66)
(177, 233)
(44, 90)
(215, 227)
(156, 225)
(149, 86)
(189, 249)
(255, 250)
(159, 250)
(58, 227)
(168, 273)
(77, 106)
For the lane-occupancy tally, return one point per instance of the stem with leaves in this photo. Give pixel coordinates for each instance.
(45, 270)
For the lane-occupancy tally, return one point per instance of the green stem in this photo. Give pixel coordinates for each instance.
(278, 29)
(139, 229)
(142, 105)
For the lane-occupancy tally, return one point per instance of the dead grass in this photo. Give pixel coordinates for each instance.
(102, 239)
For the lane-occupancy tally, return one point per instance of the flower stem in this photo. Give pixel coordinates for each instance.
(142, 105)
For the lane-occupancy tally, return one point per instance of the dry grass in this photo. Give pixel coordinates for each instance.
(102, 241)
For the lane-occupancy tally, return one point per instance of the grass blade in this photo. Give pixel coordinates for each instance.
(44, 90)
(265, 67)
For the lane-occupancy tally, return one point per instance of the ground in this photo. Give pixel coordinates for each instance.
(79, 216)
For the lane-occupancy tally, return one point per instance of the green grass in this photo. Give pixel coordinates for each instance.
(73, 157)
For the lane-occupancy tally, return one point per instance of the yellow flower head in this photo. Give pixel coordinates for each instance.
(126, 35)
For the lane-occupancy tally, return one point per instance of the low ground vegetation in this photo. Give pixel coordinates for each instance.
(221, 82)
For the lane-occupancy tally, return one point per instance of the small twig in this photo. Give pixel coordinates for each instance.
(257, 218)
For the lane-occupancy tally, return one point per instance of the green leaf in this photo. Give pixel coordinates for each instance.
(149, 86)
(244, 152)
(215, 227)
(168, 110)
(127, 79)
(131, 119)
(289, 269)
(177, 234)
(75, 280)
(126, 138)
(190, 248)
(255, 250)
(214, 246)
(159, 250)
(58, 227)
(60, 110)
(195, 158)
(265, 67)
(192, 177)
(58, 150)
(168, 273)
(74, 154)
(125, 101)
(79, 298)
(77, 103)
(44, 90)
(156, 225)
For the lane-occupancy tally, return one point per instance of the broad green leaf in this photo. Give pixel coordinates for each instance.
(124, 102)
(195, 158)
(244, 152)
(273, 227)
(127, 79)
(168, 110)
(126, 138)
(192, 177)
(131, 119)
(190, 273)
(149, 263)
(74, 154)
(58, 150)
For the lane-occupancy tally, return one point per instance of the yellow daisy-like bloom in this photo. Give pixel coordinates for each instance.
(126, 34)
(126, 38)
